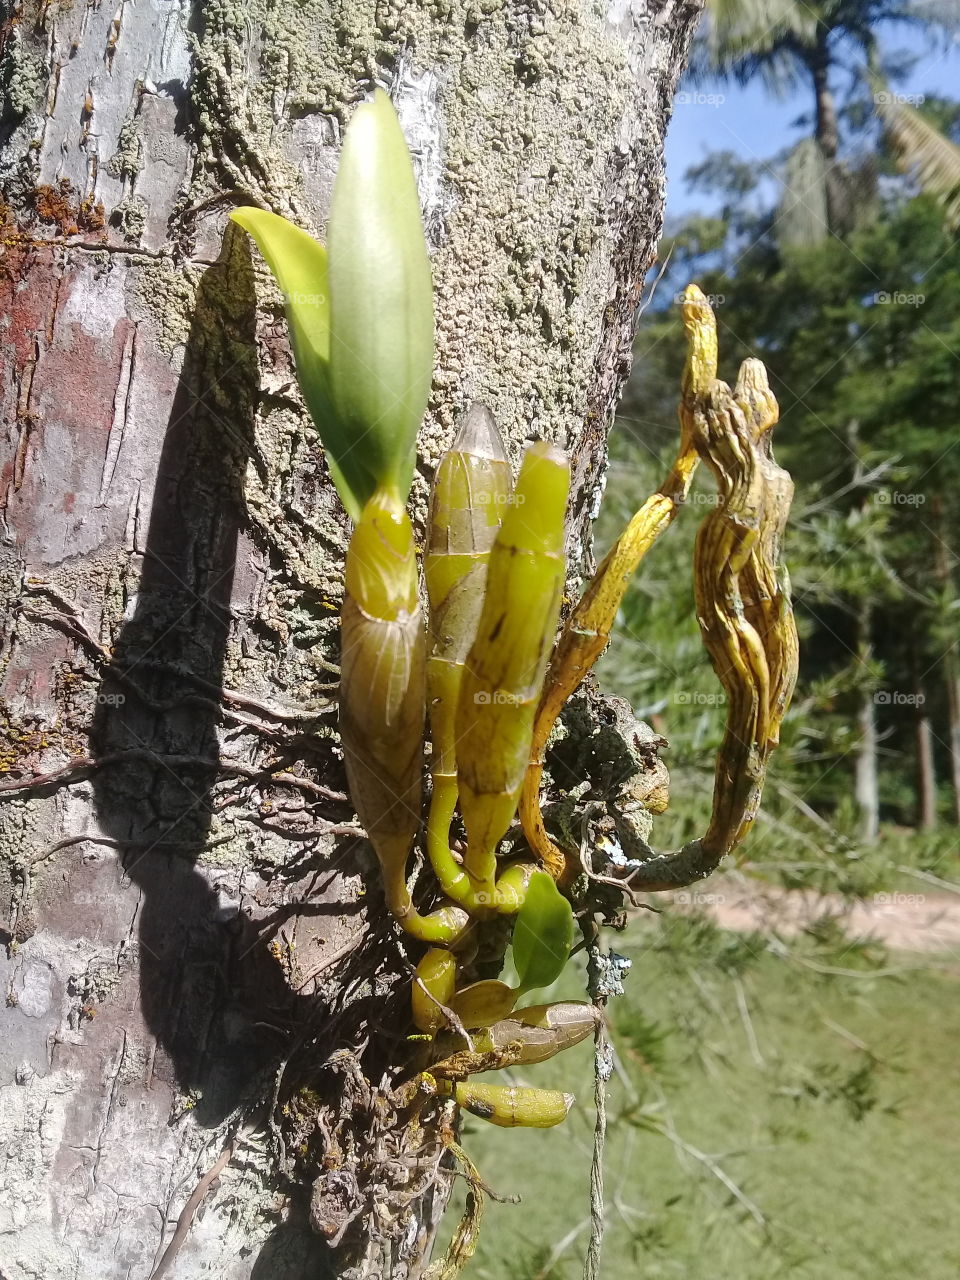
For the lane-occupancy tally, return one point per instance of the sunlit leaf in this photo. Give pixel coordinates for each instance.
(361, 310)
(381, 362)
(299, 264)
(543, 935)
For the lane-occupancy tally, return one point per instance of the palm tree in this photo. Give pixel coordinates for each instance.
(792, 45)
(920, 147)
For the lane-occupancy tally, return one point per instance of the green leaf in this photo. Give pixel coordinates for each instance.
(543, 934)
(299, 264)
(381, 359)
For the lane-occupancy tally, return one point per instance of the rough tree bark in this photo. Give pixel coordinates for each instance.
(194, 967)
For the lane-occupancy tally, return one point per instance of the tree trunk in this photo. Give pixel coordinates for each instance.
(926, 777)
(197, 980)
(950, 666)
(827, 135)
(867, 793)
(866, 788)
(951, 676)
(825, 126)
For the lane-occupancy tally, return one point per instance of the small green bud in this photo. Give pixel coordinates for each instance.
(360, 311)
(381, 296)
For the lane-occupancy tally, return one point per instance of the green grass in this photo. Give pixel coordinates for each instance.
(835, 1117)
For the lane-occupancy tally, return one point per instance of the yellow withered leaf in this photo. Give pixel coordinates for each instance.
(587, 630)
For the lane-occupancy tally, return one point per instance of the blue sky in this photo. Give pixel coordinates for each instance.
(755, 125)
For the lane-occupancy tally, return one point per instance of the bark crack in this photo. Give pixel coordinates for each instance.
(112, 1087)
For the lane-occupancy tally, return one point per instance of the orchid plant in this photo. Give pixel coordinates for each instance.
(483, 661)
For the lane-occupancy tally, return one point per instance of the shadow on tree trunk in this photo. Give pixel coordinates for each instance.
(224, 1017)
(158, 703)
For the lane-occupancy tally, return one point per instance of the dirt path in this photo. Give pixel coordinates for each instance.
(920, 921)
